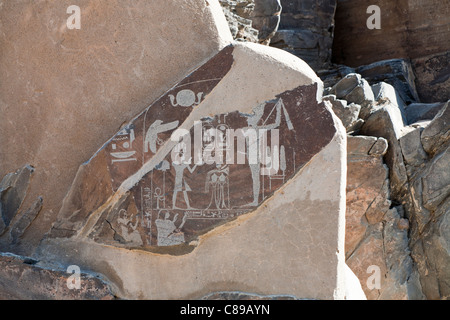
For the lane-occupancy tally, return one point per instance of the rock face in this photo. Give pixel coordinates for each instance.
(266, 19)
(201, 215)
(237, 14)
(397, 189)
(18, 277)
(417, 30)
(430, 206)
(252, 20)
(72, 89)
(306, 30)
(204, 163)
(376, 235)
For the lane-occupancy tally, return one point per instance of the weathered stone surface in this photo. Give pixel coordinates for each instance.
(384, 254)
(355, 90)
(433, 77)
(406, 31)
(13, 189)
(396, 72)
(412, 150)
(213, 227)
(306, 30)
(266, 19)
(347, 113)
(416, 112)
(383, 92)
(429, 188)
(415, 30)
(237, 14)
(71, 90)
(25, 220)
(431, 254)
(386, 121)
(367, 188)
(437, 133)
(436, 181)
(346, 85)
(19, 275)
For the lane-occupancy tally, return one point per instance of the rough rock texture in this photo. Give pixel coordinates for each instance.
(155, 229)
(430, 204)
(306, 30)
(406, 29)
(417, 30)
(70, 90)
(13, 189)
(244, 296)
(252, 20)
(396, 72)
(376, 235)
(266, 19)
(23, 279)
(397, 192)
(433, 76)
(237, 14)
(199, 238)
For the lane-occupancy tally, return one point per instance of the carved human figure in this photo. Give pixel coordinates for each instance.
(181, 184)
(128, 230)
(167, 232)
(217, 184)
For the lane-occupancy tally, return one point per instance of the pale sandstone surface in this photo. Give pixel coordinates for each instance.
(277, 241)
(64, 92)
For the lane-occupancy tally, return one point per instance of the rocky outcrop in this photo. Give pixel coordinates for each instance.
(397, 190)
(306, 30)
(237, 14)
(69, 92)
(252, 20)
(23, 278)
(429, 211)
(194, 217)
(205, 162)
(413, 30)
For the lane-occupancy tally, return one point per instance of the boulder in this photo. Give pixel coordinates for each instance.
(385, 92)
(416, 112)
(71, 89)
(412, 149)
(198, 226)
(306, 30)
(397, 72)
(266, 19)
(237, 14)
(387, 122)
(382, 261)
(437, 133)
(347, 113)
(367, 187)
(19, 277)
(432, 77)
(13, 189)
(355, 90)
